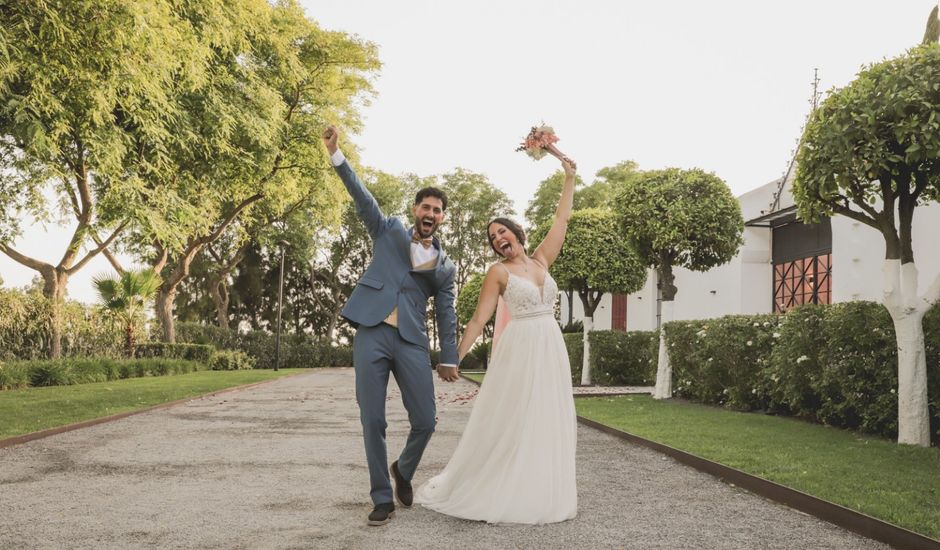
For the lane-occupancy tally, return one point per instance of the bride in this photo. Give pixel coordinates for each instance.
(515, 462)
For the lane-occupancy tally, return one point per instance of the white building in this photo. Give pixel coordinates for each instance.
(782, 263)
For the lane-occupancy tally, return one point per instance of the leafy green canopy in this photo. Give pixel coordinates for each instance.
(686, 218)
(877, 139)
(596, 258)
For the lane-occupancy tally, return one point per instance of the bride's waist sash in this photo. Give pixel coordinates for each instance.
(533, 314)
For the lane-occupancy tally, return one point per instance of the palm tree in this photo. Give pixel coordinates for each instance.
(127, 298)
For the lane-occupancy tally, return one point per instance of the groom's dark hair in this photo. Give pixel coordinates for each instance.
(431, 192)
(510, 225)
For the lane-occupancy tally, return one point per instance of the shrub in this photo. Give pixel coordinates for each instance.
(50, 373)
(721, 361)
(187, 352)
(231, 360)
(297, 350)
(624, 358)
(792, 378)
(572, 327)
(13, 376)
(574, 342)
(25, 333)
(859, 377)
(85, 370)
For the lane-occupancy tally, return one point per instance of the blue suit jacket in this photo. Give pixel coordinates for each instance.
(390, 281)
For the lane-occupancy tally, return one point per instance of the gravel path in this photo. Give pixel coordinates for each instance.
(281, 466)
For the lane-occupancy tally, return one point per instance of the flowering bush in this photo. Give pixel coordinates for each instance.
(793, 373)
(832, 364)
(720, 361)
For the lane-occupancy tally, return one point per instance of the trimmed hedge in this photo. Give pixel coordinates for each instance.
(188, 352)
(617, 358)
(832, 364)
(297, 350)
(231, 360)
(623, 358)
(63, 372)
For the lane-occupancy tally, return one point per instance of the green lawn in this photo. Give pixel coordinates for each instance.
(33, 409)
(898, 484)
(474, 376)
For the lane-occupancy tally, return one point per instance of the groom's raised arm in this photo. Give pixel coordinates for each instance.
(366, 206)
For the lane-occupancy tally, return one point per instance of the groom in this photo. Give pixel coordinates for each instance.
(388, 307)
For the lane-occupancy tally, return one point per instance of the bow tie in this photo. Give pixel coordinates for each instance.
(426, 243)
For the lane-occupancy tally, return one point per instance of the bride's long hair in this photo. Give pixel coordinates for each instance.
(510, 225)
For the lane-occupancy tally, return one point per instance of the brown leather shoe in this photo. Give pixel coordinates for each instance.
(403, 492)
(382, 514)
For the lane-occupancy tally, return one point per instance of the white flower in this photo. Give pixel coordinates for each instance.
(893, 391)
(776, 335)
(754, 390)
(766, 323)
(710, 359)
(801, 358)
(756, 324)
(750, 343)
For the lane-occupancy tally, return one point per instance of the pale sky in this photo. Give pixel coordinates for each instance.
(721, 85)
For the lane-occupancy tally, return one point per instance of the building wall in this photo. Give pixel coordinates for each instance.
(858, 253)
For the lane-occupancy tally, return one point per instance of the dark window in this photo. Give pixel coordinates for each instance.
(618, 317)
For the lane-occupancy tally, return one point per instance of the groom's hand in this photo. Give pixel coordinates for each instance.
(331, 139)
(448, 374)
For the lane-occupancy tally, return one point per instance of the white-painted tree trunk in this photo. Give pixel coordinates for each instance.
(586, 359)
(907, 310)
(663, 388)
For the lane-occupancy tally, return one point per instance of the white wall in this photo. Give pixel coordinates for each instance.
(858, 253)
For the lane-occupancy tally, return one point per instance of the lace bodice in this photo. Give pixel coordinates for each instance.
(525, 299)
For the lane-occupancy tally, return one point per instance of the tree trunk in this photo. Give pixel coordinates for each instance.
(570, 295)
(129, 339)
(220, 297)
(164, 310)
(907, 312)
(586, 357)
(913, 415)
(663, 388)
(55, 284)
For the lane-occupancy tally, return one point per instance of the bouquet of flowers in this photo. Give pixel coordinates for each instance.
(540, 140)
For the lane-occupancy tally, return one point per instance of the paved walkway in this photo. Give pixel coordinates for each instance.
(281, 466)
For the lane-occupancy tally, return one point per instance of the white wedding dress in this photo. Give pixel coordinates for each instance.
(515, 462)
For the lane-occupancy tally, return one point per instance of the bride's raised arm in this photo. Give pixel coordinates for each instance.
(495, 280)
(550, 247)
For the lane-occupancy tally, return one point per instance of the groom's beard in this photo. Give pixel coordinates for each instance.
(426, 232)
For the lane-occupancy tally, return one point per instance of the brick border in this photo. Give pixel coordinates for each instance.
(841, 516)
(32, 436)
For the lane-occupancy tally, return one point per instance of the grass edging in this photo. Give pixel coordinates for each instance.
(32, 436)
(825, 510)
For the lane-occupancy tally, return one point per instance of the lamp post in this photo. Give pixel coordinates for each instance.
(280, 303)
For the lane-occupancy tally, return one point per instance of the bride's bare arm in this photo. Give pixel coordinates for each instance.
(550, 247)
(495, 280)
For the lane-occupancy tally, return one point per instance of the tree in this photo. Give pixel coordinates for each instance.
(81, 82)
(126, 298)
(871, 152)
(678, 218)
(270, 92)
(595, 259)
(472, 202)
(541, 208)
(466, 305)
